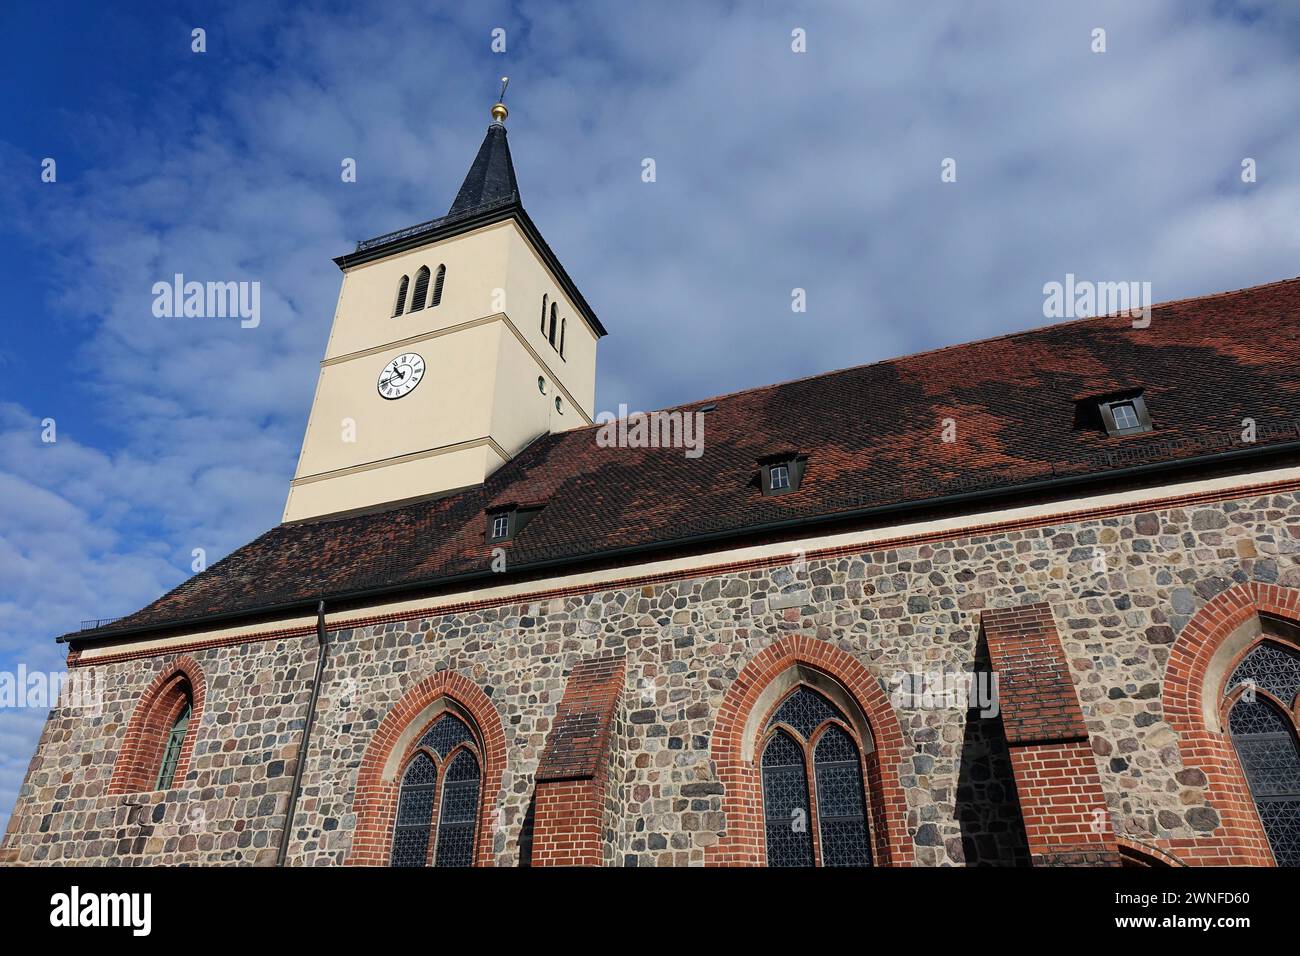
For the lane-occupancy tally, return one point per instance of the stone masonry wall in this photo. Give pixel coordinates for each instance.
(231, 804)
(1120, 589)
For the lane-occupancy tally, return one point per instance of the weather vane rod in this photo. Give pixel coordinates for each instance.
(499, 111)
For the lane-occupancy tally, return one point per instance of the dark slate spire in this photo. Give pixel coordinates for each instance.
(491, 179)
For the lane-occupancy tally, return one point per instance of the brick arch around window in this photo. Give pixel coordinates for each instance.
(141, 754)
(749, 701)
(1207, 650)
(379, 776)
(1138, 853)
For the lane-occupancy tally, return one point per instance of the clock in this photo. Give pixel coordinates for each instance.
(401, 375)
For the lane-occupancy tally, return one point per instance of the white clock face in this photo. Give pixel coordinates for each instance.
(401, 375)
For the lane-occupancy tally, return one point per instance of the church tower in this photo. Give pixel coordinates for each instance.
(455, 343)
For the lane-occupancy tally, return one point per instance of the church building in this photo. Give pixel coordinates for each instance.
(1033, 600)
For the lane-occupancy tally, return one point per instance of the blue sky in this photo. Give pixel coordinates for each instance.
(775, 170)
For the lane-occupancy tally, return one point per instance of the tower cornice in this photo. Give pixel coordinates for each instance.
(446, 227)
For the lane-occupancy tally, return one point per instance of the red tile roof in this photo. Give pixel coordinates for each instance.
(871, 435)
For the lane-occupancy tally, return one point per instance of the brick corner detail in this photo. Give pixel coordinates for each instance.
(572, 774)
(1067, 820)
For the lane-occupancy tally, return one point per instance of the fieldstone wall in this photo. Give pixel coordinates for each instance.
(230, 806)
(1120, 588)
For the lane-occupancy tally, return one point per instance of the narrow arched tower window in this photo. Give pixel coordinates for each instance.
(563, 324)
(438, 805)
(554, 324)
(437, 286)
(821, 825)
(544, 297)
(172, 748)
(1264, 726)
(421, 289)
(401, 296)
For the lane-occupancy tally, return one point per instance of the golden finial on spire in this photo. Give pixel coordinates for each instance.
(499, 111)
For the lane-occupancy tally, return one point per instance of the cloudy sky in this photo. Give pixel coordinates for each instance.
(775, 170)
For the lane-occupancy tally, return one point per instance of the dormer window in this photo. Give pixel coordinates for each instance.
(783, 473)
(1115, 413)
(505, 522)
(1125, 416)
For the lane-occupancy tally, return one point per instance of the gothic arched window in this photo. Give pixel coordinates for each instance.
(421, 289)
(158, 748)
(401, 296)
(807, 738)
(1264, 720)
(438, 805)
(173, 745)
(437, 286)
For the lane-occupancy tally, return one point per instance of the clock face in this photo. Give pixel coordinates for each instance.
(401, 375)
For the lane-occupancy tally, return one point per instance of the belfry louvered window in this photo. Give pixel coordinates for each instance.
(438, 804)
(807, 738)
(401, 296)
(172, 749)
(421, 289)
(1264, 726)
(437, 286)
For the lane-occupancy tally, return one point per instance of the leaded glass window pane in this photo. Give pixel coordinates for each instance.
(805, 710)
(1281, 820)
(456, 822)
(1266, 743)
(1270, 764)
(410, 846)
(785, 803)
(1257, 717)
(841, 808)
(1273, 667)
(445, 734)
(415, 812)
(458, 790)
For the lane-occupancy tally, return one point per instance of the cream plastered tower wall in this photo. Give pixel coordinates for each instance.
(480, 401)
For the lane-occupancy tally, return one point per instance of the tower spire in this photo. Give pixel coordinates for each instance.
(491, 179)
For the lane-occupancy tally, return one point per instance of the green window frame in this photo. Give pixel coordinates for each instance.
(172, 752)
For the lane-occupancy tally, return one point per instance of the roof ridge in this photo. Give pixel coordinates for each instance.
(948, 348)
